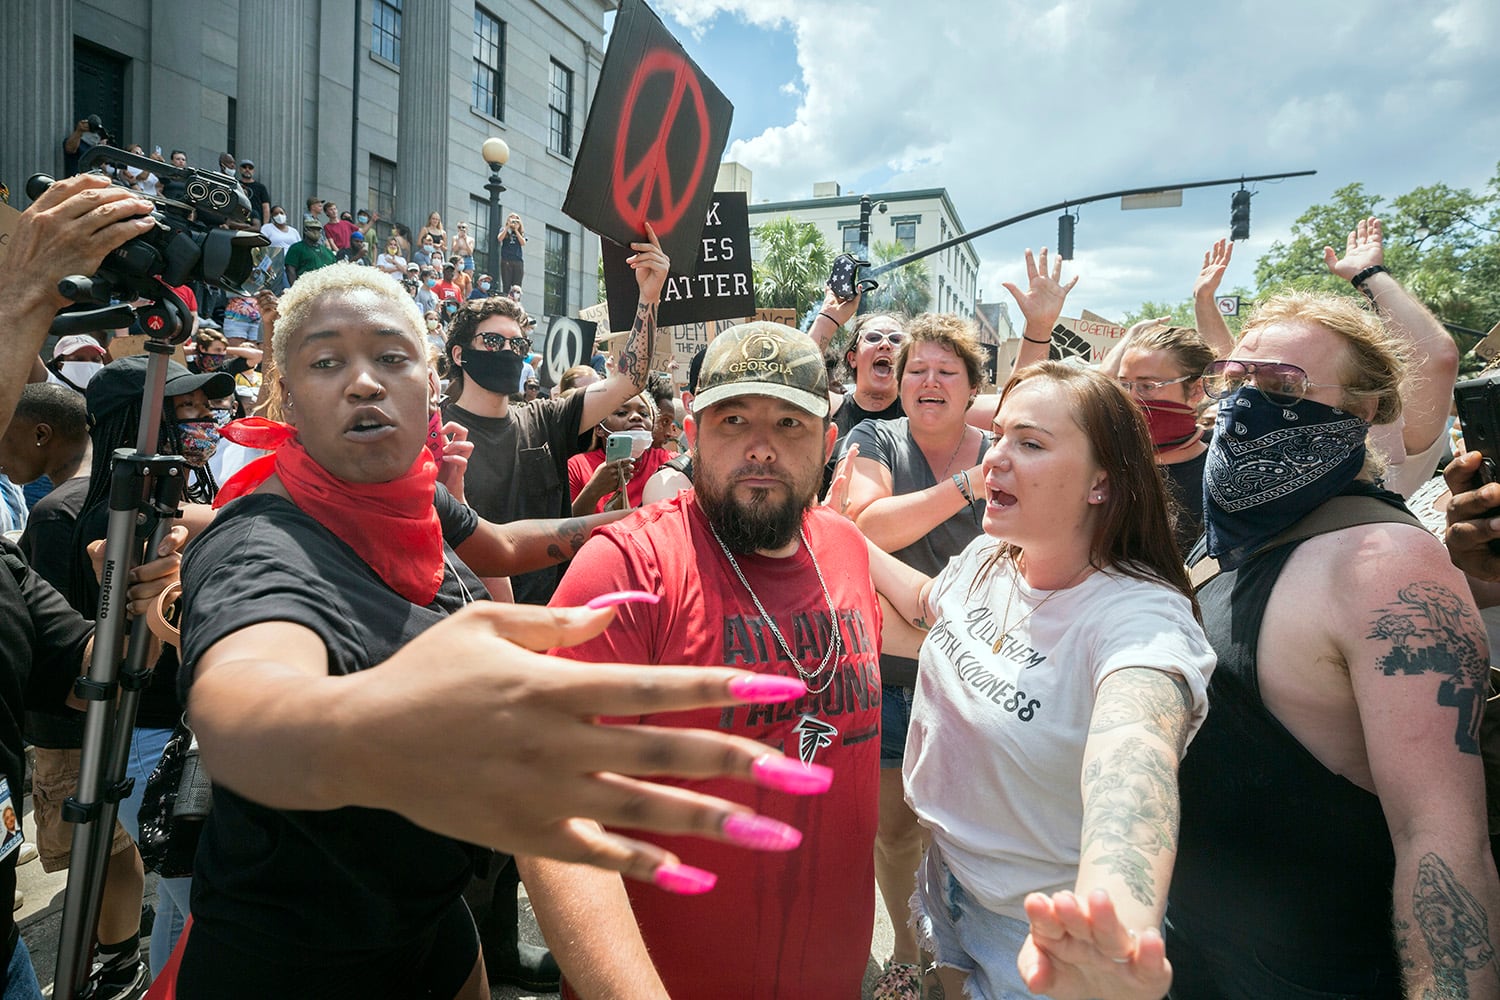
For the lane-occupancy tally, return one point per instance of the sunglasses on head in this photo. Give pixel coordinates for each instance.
(500, 342)
(1278, 381)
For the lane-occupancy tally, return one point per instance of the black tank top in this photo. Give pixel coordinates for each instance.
(1283, 867)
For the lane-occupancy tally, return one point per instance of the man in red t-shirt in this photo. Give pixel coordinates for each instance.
(750, 573)
(339, 229)
(446, 290)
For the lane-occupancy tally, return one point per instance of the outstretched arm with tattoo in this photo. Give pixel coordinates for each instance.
(633, 363)
(523, 546)
(1101, 939)
(1418, 664)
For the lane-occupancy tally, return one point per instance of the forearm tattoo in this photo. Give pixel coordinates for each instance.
(1454, 927)
(570, 536)
(1154, 699)
(635, 356)
(1431, 630)
(1130, 810)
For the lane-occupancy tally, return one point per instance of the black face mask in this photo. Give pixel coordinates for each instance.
(497, 371)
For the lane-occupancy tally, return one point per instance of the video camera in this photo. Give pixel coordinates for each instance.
(188, 243)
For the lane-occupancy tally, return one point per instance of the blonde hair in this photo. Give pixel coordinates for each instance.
(338, 279)
(1377, 360)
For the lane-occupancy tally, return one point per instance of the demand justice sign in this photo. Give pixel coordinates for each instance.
(722, 287)
(651, 147)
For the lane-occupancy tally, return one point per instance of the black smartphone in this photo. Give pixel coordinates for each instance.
(1478, 403)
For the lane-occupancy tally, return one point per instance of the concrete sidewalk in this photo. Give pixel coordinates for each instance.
(40, 920)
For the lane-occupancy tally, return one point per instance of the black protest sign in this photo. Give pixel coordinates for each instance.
(721, 288)
(568, 342)
(651, 147)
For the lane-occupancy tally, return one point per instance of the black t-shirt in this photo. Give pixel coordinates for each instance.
(42, 641)
(47, 544)
(848, 416)
(519, 470)
(1185, 487)
(258, 195)
(302, 888)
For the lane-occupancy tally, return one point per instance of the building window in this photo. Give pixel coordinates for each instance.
(385, 30)
(560, 101)
(906, 235)
(479, 230)
(489, 63)
(382, 198)
(555, 266)
(851, 239)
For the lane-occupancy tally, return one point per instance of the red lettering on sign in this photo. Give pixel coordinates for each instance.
(633, 188)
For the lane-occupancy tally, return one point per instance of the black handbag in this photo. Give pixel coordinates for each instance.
(174, 806)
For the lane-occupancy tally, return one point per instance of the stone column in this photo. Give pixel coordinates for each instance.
(270, 82)
(36, 88)
(422, 113)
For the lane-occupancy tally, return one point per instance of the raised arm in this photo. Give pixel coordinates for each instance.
(1040, 305)
(1102, 939)
(1434, 354)
(832, 316)
(68, 230)
(1418, 665)
(1211, 325)
(633, 364)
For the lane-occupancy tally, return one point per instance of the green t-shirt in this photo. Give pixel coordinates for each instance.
(303, 258)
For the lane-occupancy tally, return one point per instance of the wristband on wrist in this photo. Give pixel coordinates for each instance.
(825, 314)
(1358, 281)
(960, 480)
(1030, 340)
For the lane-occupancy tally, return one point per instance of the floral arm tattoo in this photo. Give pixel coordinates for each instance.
(1130, 804)
(1455, 932)
(635, 357)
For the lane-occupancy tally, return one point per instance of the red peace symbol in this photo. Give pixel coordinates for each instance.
(633, 190)
(155, 322)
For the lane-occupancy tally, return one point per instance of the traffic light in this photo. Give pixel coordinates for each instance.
(1065, 236)
(1239, 215)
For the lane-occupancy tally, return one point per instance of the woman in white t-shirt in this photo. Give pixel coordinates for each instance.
(1062, 676)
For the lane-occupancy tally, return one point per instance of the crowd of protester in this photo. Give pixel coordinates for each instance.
(1123, 680)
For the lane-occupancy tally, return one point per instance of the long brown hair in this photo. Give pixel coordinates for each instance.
(1133, 532)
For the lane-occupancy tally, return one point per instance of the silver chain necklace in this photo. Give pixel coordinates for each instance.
(835, 647)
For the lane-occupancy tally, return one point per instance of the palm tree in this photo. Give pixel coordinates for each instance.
(794, 263)
(905, 291)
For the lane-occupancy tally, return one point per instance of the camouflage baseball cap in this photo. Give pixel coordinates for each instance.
(764, 359)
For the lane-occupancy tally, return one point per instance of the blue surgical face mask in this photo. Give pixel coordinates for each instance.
(484, 286)
(362, 217)
(431, 282)
(452, 307)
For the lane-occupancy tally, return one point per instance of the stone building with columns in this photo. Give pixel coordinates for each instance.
(378, 104)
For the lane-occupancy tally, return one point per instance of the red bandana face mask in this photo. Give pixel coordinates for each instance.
(392, 526)
(1172, 424)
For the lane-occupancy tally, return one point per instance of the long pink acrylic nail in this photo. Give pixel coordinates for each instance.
(623, 597)
(787, 775)
(761, 833)
(684, 880)
(767, 687)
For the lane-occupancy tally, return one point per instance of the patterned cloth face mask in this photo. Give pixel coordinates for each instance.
(199, 439)
(1271, 463)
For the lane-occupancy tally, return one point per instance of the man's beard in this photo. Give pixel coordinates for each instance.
(759, 524)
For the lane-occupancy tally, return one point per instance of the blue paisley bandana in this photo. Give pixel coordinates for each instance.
(1270, 464)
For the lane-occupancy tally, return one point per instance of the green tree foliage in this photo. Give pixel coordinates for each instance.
(905, 291)
(794, 264)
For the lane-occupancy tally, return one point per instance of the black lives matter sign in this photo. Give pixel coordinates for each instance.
(721, 287)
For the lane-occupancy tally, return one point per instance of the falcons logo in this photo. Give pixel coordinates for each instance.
(813, 734)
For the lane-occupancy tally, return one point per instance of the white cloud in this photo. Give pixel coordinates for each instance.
(1012, 105)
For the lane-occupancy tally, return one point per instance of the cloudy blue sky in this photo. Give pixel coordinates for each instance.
(1013, 105)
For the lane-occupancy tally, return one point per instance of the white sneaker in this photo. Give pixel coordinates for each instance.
(28, 853)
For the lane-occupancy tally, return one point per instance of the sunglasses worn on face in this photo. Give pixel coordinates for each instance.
(500, 342)
(1139, 385)
(896, 337)
(1279, 381)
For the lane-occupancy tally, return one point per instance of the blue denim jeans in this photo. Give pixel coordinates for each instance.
(20, 976)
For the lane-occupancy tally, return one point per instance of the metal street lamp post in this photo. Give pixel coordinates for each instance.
(496, 153)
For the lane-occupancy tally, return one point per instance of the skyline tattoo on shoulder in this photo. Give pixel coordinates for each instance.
(1432, 630)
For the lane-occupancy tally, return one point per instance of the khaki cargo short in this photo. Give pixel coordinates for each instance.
(53, 778)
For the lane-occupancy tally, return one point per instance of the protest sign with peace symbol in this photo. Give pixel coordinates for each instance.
(651, 147)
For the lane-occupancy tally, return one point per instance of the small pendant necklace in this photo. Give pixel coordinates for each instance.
(835, 647)
(1015, 585)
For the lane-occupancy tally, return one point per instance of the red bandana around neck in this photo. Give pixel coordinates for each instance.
(392, 526)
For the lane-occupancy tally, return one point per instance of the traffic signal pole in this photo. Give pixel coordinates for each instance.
(1071, 202)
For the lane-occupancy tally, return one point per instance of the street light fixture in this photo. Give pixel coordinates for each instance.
(496, 153)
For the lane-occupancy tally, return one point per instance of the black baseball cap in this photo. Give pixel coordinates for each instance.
(122, 382)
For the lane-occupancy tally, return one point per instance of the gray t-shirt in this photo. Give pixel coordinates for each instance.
(889, 443)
